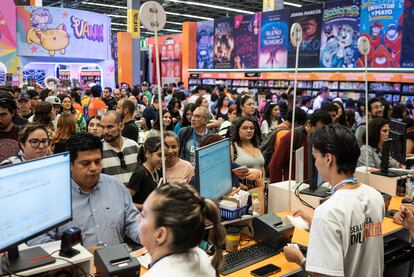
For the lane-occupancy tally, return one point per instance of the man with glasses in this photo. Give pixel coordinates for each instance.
(375, 109)
(120, 154)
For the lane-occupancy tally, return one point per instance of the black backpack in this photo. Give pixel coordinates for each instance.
(268, 146)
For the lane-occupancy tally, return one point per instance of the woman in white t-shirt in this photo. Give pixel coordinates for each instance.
(171, 226)
(271, 119)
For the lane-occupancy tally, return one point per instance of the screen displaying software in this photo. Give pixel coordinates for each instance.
(214, 170)
(34, 196)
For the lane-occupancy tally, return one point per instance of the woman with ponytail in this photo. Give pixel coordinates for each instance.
(147, 175)
(171, 226)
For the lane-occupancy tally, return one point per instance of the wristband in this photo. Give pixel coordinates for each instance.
(303, 263)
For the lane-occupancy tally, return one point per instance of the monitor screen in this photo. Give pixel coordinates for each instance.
(35, 196)
(398, 135)
(213, 169)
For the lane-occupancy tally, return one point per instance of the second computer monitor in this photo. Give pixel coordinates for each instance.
(213, 170)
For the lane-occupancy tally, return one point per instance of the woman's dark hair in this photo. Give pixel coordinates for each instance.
(156, 124)
(190, 107)
(199, 101)
(268, 112)
(81, 142)
(220, 101)
(43, 94)
(76, 96)
(98, 117)
(209, 139)
(29, 128)
(341, 142)
(172, 103)
(350, 118)
(182, 210)
(342, 118)
(42, 114)
(240, 101)
(360, 104)
(257, 133)
(151, 145)
(320, 115)
(398, 111)
(62, 97)
(374, 129)
(300, 116)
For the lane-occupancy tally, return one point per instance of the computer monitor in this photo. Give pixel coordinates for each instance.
(398, 134)
(35, 197)
(213, 170)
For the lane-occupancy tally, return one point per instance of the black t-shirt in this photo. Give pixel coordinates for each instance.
(142, 183)
(12, 134)
(111, 103)
(179, 94)
(130, 130)
(27, 116)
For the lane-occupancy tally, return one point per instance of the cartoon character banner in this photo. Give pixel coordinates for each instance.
(246, 29)
(407, 57)
(8, 35)
(66, 33)
(310, 19)
(274, 39)
(381, 23)
(205, 40)
(340, 33)
(223, 43)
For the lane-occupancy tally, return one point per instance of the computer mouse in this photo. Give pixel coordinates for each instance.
(407, 200)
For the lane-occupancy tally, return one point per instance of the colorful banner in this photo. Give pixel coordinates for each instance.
(205, 40)
(223, 43)
(407, 57)
(272, 5)
(381, 23)
(8, 35)
(310, 19)
(340, 33)
(133, 23)
(274, 39)
(66, 33)
(170, 61)
(246, 30)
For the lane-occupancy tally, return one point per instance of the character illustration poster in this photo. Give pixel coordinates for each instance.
(381, 23)
(58, 32)
(310, 19)
(340, 33)
(407, 57)
(205, 42)
(170, 61)
(274, 39)
(246, 29)
(223, 43)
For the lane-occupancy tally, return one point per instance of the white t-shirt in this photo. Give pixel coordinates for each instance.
(346, 236)
(317, 103)
(194, 263)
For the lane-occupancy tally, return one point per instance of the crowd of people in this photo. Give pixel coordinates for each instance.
(113, 136)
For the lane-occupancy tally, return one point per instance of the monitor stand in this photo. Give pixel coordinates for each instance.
(321, 192)
(27, 259)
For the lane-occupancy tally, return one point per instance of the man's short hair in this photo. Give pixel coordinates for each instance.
(81, 142)
(206, 113)
(329, 107)
(341, 142)
(108, 89)
(8, 104)
(320, 115)
(129, 106)
(32, 93)
(300, 116)
(372, 101)
(116, 114)
(305, 100)
(96, 91)
(323, 89)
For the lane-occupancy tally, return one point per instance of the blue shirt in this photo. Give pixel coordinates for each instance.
(105, 215)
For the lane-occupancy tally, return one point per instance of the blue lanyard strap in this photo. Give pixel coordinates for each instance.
(195, 138)
(342, 183)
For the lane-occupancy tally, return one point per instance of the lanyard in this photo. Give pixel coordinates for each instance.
(195, 138)
(343, 183)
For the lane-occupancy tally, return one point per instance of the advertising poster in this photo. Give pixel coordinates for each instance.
(340, 33)
(407, 57)
(274, 39)
(170, 61)
(223, 43)
(246, 30)
(205, 40)
(66, 33)
(310, 19)
(8, 35)
(381, 23)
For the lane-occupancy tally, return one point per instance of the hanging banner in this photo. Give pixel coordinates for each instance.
(381, 23)
(407, 57)
(133, 23)
(310, 19)
(205, 40)
(66, 33)
(340, 33)
(8, 35)
(246, 30)
(274, 39)
(170, 60)
(223, 43)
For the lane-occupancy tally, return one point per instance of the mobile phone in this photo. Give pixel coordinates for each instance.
(266, 270)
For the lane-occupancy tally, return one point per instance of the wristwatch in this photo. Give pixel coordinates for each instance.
(303, 263)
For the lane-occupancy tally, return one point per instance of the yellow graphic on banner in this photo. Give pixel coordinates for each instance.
(133, 23)
(268, 5)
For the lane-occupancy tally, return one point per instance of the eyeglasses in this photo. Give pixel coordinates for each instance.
(35, 143)
(122, 160)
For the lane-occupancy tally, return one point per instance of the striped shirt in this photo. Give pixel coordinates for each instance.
(112, 160)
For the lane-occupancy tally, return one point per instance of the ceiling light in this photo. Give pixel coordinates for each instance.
(293, 4)
(211, 6)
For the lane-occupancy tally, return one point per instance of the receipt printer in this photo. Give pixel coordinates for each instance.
(270, 230)
(116, 261)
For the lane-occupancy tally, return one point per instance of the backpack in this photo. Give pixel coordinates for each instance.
(268, 146)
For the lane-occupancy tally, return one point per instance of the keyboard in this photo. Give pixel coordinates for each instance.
(246, 256)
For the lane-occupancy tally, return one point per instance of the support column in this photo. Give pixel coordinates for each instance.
(189, 49)
(134, 5)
